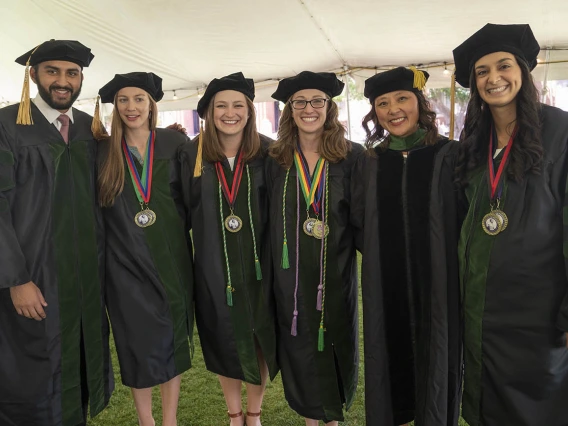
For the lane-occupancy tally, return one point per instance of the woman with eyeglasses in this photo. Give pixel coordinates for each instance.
(313, 248)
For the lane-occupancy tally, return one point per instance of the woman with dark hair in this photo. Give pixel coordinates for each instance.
(513, 168)
(313, 247)
(225, 194)
(149, 281)
(405, 209)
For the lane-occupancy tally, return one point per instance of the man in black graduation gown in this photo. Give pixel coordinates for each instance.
(53, 326)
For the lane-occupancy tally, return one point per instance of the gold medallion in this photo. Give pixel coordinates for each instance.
(492, 223)
(504, 218)
(145, 218)
(233, 223)
(309, 226)
(319, 230)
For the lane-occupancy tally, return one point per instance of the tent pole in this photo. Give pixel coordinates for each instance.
(346, 68)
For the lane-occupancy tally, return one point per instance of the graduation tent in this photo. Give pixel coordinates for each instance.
(190, 42)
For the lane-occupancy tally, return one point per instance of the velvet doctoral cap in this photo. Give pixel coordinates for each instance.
(327, 82)
(236, 81)
(517, 39)
(147, 81)
(400, 78)
(58, 50)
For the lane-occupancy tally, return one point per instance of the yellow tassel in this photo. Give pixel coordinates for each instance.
(25, 109)
(419, 78)
(452, 104)
(97, 128)
(199, 160)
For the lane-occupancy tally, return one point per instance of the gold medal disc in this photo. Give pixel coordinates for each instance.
(233, 223)
(309, 226)
(319, 230)
(492, 223)
(145, 218)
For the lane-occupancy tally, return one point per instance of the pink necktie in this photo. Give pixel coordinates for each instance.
(64, 130)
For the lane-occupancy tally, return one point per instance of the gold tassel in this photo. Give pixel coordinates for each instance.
(419, 78)
(199, 160)
(452, 104)
(97, 128)
(25, 109)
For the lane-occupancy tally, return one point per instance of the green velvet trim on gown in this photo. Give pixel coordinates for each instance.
(168, 248)
(78, 279)
(408, 142)
(475, 247)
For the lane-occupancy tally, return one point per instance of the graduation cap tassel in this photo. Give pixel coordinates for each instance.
(320, 296)
(97, 127)
(419, 78)
(199, 158)
(25, 109)
(452, 104)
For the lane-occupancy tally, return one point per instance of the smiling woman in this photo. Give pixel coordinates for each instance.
(512, 261)
(225, 194)
(315, 285)
(401, 189)
(149, 280)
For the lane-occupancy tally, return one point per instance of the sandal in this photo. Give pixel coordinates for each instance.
(234, 416)
(249, 414)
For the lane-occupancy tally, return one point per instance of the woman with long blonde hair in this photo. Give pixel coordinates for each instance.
(313, 245)
(225, 195)
(149, 279)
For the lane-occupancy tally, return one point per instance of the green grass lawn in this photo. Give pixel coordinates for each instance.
(202, 404)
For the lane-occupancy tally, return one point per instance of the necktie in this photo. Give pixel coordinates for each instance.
(64, 130)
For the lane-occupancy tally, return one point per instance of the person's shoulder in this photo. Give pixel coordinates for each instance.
(553, 116)
(171, 136)
(81, 118)
(9, 114)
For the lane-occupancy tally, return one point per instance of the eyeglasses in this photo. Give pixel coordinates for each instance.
(315, 103)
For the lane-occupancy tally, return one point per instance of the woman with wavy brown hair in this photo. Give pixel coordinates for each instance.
(149, 277)
(513, 167)
(405, 209)
(225, 193)
(315, 285)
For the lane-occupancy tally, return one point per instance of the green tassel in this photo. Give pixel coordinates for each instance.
(320, 338)
(285, 261)
(258, 271)
(229, 292)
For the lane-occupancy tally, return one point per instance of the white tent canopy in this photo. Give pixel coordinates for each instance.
(189, 42)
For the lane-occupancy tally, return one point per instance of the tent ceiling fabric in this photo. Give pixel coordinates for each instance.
(189, 42)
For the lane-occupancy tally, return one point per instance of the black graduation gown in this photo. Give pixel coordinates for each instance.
(316, 384)
(515, 298)
(229, 335)
(149, 276)
(408, 225)
(51, 233)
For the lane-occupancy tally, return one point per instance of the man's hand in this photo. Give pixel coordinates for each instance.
(28, 301)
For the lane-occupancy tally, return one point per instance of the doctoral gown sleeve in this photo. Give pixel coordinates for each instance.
(357, 211)
(562, 322)
(13, 269)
